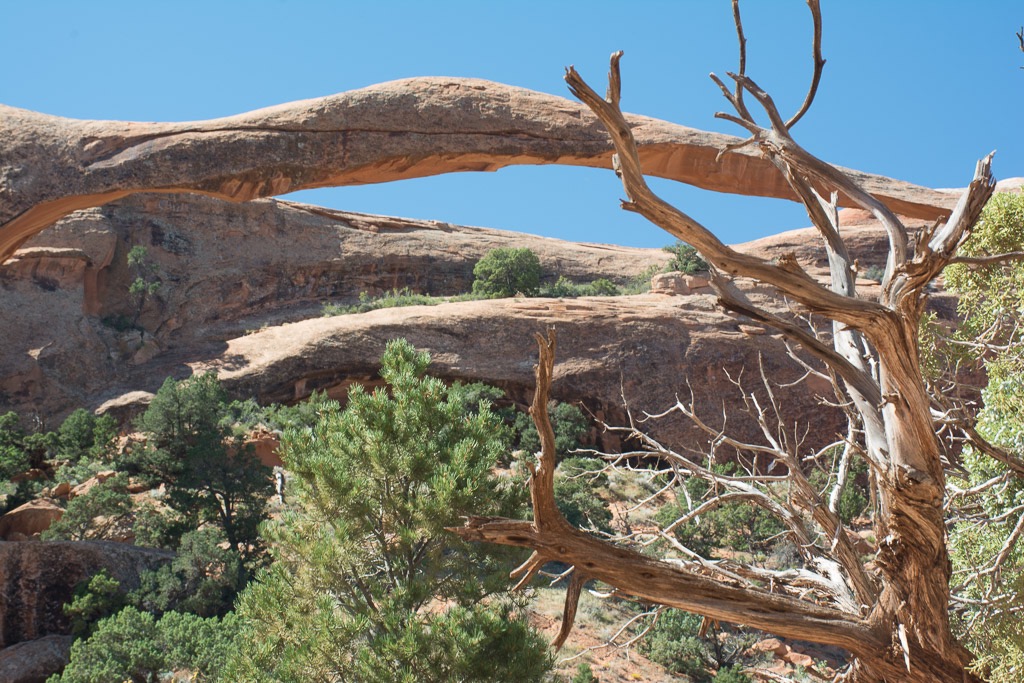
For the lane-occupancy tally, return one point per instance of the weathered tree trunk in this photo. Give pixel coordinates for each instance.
(891, 615)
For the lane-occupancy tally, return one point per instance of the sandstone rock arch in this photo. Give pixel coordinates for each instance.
(52, 166)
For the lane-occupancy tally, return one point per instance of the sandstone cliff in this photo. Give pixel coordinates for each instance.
(226, 268)
(229, 269)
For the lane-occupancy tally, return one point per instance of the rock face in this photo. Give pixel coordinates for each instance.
(34, 661)
(233, 268)
(647, 349)
(679, 283)
(36, 579)
(51, 166)
(226, 268)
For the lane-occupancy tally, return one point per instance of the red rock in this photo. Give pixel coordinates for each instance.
(799, 659)
(402, 129)
(61, 490)
(91, 483)
(31, 519)
(265, 447)
(672, 283)
(36, 579)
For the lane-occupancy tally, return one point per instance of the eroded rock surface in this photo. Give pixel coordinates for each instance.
(51, 166)
(36, 579)
(34, 661)
(647, 349)
(29, 520)
(226, 268)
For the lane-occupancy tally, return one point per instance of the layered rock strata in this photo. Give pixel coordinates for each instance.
(52, 166)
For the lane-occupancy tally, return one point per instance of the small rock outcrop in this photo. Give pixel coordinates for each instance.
(34, 661)
(29, 520)
(674, 283)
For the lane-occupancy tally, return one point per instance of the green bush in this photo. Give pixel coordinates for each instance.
(735, 526)
(675, 643)
(147, 282)
(134, 646)
(585, 674)
(393, 299)
(575, 482)
(83, 435)
(209, 476)
(99, 514)
(507, 272)
(685, 259)
(203, 578)
(13, 458)
(854, 500)
(568, 422)
(565, 288)
(94, 599)
(364, 552)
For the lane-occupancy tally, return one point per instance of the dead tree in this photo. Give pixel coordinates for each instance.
(892, 614)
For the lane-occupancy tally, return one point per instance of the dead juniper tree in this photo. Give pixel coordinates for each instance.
(891, 613)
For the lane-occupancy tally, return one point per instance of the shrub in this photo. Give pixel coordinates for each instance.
(99, 514)
(568, 422)
(209, 477)
(735, 526)
(367, 585)
(13, 458)
(675, 643)
(203, 579)
(567, 289)
(585, 674)
(875, 273)
(134, 646)
(94, 599)
(576, 479)
(685, 259)
(506, 272)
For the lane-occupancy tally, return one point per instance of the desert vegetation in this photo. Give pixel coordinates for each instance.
(382, 550)
(517, 272)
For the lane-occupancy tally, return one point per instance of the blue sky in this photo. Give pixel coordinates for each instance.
(912, 89)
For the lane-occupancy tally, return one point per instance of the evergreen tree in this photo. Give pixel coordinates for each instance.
(366, 584)
(506, 272)
(988, 560)
(210, 476)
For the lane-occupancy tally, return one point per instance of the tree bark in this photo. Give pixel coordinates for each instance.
(904, 634)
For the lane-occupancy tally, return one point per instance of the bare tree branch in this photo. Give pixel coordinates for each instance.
(819, 64)
(633, 573)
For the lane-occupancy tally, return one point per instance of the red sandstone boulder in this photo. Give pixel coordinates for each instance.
(30, 520)
(91, 483)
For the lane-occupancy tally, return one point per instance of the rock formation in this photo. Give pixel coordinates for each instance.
(226, 268)
(52, 166)
(644, 348)
(230, 269)
(29, 520)
(34, 661)
(36, 579)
